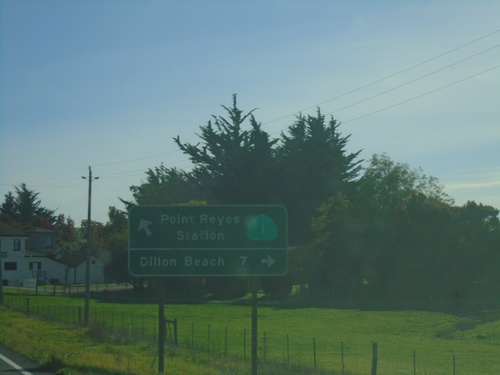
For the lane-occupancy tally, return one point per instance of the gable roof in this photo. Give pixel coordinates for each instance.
(72, 259)
(39, 230)
(9, 231)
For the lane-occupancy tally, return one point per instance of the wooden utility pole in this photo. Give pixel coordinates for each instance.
(1, 281)
(86, 313)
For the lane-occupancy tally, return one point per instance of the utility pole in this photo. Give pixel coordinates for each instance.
(1, 280)
(87, 255)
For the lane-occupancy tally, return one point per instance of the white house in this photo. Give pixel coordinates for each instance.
(32, 257)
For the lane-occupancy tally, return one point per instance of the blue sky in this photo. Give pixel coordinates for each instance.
(108, 84)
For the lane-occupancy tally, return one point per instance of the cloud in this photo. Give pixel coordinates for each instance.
(473, 185)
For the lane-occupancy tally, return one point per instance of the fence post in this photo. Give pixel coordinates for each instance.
(342, 355)
(225, 340)
(192, 335)
(142, 326)
(79, 315)
(176, 338)
(288, 349)
(374, 358)
(154, 329)
(27, 305)
(314, 350)
(132, 325)
(265, 347)
(414, 362)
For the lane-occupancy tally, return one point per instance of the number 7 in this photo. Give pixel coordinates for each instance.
(243, 260)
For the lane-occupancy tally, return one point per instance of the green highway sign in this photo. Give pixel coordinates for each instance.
(208, 240)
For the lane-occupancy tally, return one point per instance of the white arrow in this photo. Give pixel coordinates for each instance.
(270, 261)
(144, 224)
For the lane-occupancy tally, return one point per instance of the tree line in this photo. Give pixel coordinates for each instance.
(373, 233)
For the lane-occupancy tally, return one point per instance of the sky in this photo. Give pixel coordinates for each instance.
(109, 84)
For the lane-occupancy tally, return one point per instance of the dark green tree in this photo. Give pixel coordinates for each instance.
(8, 209)
(25, 209)
(477, 241)
(166, 186)
(234, 165)
(163, 186)
(67, 233)
(315, 165)
(389, 185)
(114, 253)
(386, 245)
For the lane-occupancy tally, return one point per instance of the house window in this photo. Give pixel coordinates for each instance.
(35, 266)
(93, 261)
(50, 241)
(10, 266)
(17, 245)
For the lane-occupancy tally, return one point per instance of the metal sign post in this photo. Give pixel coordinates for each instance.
(161, 327)
(254, 287)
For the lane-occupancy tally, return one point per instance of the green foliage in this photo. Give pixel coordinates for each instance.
(25, 209)
(166, 186)
(386, 184)
(315, 166)
(234, 165)
(401, 243)
(67, 234)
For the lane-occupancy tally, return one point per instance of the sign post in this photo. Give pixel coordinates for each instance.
(208, 241)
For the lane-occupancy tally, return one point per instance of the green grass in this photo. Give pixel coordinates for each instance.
(435, 338)
(74, 351)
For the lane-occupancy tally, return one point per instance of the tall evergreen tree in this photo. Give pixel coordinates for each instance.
(315, 165)
(233, 164)
(25, 208)
(166, 186)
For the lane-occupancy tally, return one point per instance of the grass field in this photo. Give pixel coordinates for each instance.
(214, 338)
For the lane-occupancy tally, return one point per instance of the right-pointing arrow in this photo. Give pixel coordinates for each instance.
(269, 261)
(144, 225)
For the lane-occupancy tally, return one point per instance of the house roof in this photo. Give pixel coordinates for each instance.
(71, 258)
(9, 231)
(39, 230)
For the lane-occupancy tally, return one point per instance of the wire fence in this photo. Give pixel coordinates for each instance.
(301, 354)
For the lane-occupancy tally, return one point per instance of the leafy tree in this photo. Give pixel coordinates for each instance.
(388, 243)
(336, 264)
(115, 245)
(25, 209)
(67, 233)
(388, 184)
(166, 186)
(477, 240)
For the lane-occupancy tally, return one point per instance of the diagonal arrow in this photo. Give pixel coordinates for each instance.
(270, 261)
(144, 225)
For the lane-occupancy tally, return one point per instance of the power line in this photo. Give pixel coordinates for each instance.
(121, 174)
(386, 77)
(422, 95)
(414, 80)
(138, 159)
